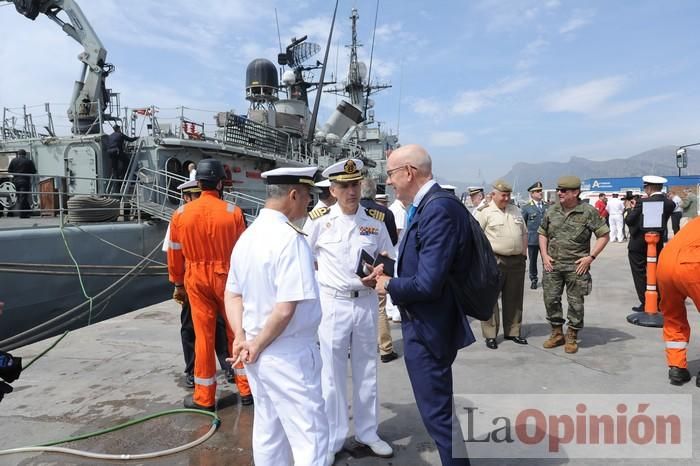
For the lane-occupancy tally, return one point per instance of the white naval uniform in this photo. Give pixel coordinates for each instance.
(272, 263)
(349, 319)
(615, 208)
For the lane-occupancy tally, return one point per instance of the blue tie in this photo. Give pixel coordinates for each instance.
(411, 213)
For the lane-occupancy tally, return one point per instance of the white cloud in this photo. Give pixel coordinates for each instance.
(579, 19)
(448, 138)
(595, 98)
(529, 55)
(503, 15)
(619, 108)
(388, 31)
(425, 106)
(317, 29)
(472, 101)
(584, 98)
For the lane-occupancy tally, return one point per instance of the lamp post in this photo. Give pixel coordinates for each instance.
(682, 156)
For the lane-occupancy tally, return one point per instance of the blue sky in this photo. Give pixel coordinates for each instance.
(482, 84)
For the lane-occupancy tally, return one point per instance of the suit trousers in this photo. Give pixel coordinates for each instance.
(533, 250)
(349, 324)
(512, 275)
(431, 380)
(289, 424)
(638, 265)
(24, 200)
(386, 345)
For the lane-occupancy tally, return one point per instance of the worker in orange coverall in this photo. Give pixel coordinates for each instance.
(202, 234)
(678, 277)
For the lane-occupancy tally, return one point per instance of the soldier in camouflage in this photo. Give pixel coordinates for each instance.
(565, 245)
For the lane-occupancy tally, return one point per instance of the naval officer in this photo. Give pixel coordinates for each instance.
(272, 304)
(337, 236)
(637, 246)
(325, 198)
(533, 212)
(476, 196)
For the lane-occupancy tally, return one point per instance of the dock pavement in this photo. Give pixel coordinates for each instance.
(131, 366)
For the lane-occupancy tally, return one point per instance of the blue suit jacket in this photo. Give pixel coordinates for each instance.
(433, 246)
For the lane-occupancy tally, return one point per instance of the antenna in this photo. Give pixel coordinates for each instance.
(398, 123)
(298, 52)
(371, 57)
(279, 39)
(317, 102)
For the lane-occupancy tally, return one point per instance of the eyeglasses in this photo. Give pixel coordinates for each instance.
(389, 173)
(564, 190)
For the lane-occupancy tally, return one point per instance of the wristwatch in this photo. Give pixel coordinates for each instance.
(592, 256)
(386, 285)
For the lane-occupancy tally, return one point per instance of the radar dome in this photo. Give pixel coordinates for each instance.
(261, 80)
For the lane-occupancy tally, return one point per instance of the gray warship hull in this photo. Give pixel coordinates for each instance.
(55, 279)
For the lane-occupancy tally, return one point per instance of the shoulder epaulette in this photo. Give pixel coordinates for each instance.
(317, 213)
(479, 209)
(297, 229)
(375, 214)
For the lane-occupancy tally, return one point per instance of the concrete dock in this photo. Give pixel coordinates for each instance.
(131, 366)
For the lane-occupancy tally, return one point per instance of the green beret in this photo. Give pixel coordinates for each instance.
(569, 182)
(502, 186)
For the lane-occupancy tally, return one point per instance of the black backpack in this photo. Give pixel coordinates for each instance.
(476, 290)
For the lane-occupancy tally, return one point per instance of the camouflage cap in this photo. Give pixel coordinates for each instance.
(502, 186)
(569, 182)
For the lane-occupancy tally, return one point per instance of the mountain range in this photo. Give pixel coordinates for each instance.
(660, 161)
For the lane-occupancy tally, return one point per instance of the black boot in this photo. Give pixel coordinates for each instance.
(190, 404)
(678, 376)
(533, 284)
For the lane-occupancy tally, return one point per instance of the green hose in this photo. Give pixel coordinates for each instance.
(49, 447)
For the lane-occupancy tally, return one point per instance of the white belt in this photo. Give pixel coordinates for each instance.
(350, 294)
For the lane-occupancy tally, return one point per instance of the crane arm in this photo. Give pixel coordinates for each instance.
(90, 97)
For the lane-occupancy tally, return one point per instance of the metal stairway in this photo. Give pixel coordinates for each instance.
(155, 193)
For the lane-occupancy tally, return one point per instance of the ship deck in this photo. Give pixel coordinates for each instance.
(131, 366)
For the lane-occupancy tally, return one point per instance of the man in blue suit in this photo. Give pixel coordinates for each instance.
(433, 246)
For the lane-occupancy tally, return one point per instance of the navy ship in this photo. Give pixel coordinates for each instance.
(91, 248)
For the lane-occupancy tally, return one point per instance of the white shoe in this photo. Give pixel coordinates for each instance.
(380, 448)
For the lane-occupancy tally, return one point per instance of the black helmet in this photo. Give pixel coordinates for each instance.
(210, 170)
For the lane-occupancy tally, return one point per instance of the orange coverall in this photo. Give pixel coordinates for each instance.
(202, 235)
(678, 277)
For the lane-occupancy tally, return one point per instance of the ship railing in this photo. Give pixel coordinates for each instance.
(156, 194)
(73, 199)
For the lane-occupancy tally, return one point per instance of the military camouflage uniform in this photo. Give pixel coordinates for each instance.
(569, 236)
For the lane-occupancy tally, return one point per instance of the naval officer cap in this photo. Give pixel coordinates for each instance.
(324, 184)
(448, 187)
(569, 182)
(189, 187)
(290, 175)
(475, 190)
(652, 179)
(381, 197)
(502, 186)
(536, 186)
(345, 170)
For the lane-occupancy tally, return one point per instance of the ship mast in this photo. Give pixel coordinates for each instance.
(356, 87)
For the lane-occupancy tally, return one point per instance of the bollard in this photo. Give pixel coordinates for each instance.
(651, 317)
(651, 296)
